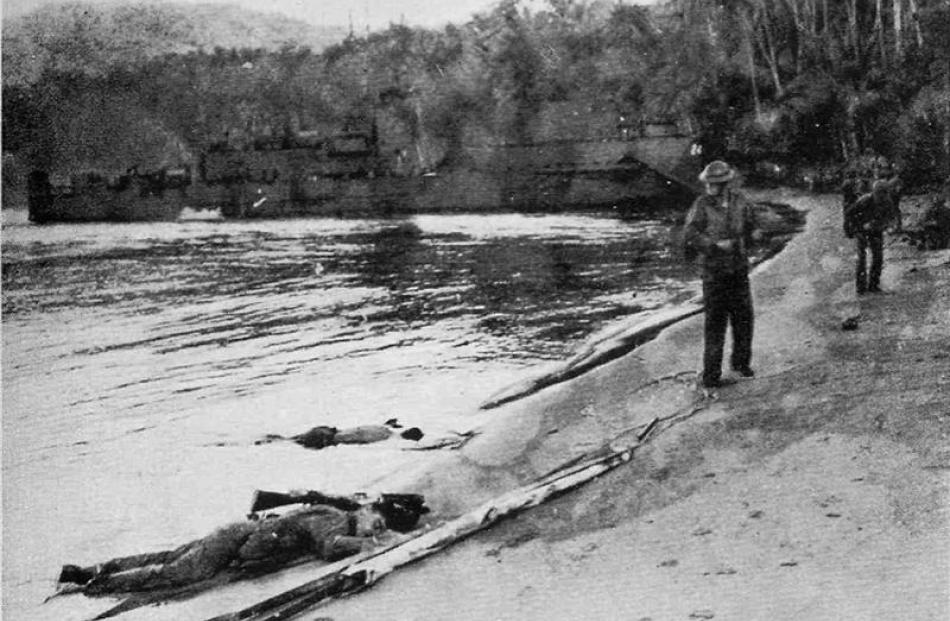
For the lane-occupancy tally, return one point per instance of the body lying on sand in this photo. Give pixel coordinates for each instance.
(323, 436)
(329, 530)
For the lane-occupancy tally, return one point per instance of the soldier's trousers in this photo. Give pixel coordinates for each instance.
(187, 564)
(728, 301)
(873, 241)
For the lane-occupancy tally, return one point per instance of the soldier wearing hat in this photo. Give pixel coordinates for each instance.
(720, 228)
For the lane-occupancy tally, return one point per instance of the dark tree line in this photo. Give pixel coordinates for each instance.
(801, 82)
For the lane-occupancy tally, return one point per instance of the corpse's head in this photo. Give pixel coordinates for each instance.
(369, 521)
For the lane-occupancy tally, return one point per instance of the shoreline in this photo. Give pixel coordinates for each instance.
(611, 400)
(748, 494)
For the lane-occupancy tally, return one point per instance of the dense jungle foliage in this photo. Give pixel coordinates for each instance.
(804, 84)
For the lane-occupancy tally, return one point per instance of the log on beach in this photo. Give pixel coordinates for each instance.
(598, 351)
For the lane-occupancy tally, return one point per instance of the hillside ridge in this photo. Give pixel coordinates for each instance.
(93, 38)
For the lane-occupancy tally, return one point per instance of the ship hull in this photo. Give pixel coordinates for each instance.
(547, 177)
(107, 207)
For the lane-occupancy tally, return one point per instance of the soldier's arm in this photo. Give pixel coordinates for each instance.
(342, 546)
(694, 231)
(331, 533)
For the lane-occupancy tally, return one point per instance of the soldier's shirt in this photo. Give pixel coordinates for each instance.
(712, 219)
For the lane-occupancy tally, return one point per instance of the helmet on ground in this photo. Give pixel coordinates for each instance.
(401, 511)
(717, 172)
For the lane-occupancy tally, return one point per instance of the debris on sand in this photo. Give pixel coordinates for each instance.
(851, 323)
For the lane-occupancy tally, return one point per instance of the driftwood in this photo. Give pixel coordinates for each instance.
(363, 571)
(604, 349)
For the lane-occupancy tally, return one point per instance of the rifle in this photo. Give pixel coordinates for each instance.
(264, 500)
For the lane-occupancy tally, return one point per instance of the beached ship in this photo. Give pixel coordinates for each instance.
(346, 174)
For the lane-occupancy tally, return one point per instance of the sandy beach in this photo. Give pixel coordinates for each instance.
(816, 490)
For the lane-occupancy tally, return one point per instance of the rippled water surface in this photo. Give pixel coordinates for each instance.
(140, 362)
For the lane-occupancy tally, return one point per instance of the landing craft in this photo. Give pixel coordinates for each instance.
(346, 175)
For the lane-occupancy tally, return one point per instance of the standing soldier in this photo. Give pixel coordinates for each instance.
(867, 218)
(720, 227)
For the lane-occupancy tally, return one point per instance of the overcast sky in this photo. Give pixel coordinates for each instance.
(363, 13)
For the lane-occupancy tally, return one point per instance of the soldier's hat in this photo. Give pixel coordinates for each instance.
(717, 172)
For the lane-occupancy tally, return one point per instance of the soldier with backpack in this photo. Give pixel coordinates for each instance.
(867, 219)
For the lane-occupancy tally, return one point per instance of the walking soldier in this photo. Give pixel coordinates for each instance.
(866, 219)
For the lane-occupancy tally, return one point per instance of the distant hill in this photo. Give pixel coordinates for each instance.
(91, 38)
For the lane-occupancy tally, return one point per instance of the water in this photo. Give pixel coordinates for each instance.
(141, 362)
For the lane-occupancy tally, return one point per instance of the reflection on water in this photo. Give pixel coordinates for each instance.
(148, 350)
(224, 308)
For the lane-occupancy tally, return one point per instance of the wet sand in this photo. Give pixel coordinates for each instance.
(817, 490)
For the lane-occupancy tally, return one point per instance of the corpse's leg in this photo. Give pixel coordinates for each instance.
(199, 560)
(140, 560)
